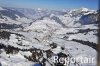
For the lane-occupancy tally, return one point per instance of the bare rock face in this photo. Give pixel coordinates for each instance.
(89, 19)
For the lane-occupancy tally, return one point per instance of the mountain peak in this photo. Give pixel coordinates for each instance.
(39, 9)
(1, 8)
(84, 9)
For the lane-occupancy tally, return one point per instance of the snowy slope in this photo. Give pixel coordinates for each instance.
(10, 17)
(39, 38)
(2, 8)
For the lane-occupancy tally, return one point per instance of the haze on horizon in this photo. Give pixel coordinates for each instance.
(51, 4)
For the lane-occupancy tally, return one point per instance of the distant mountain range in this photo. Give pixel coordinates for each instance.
(68, 18)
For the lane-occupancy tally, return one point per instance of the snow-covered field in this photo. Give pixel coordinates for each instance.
(26, 41)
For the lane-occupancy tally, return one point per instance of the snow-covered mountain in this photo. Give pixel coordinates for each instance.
(10, 18)
(10, 13)
(37, 13)
(31, 36)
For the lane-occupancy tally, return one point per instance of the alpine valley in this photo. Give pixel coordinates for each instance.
(30, 36)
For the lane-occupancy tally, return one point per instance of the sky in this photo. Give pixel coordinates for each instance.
(51, 4)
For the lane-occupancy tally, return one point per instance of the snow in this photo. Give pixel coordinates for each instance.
(43, 24)
(84, 9)
(1, 8)
(37, 35)
(69, 21)
(56, 50)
